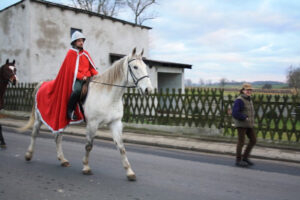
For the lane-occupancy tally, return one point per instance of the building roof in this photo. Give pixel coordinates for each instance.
(151, 63)
(77, 10)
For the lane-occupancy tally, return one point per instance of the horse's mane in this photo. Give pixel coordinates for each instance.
(112, 74)
(1, 67)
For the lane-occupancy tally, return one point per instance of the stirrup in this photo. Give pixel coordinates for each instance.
(72, 117)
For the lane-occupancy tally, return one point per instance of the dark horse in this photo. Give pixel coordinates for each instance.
(7, 74)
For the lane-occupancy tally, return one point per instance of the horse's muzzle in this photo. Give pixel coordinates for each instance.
(13, 80)
(148, 90)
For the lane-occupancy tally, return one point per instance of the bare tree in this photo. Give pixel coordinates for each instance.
(293, 78)
(209, 82)
(84, 4)
(267, 86)
(188, 82)
(112, 8)
(223, 82)
(201, 82)
(106, 7)
(139, 7)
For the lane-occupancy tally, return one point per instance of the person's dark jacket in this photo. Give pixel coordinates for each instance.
(243, 112)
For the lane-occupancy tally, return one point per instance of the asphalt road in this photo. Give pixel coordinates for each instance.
(161, 173)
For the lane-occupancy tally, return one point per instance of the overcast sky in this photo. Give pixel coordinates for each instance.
(234, 39)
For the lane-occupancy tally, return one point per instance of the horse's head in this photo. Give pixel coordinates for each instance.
(9, 72)
(137, 72)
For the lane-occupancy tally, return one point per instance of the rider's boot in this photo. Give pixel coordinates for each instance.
(71, 107)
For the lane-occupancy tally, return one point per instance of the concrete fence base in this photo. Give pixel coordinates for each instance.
(213, 131)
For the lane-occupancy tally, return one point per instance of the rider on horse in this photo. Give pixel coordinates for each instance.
(57, 99)
(85, 70)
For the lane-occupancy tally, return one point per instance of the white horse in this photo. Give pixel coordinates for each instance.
(103, 106)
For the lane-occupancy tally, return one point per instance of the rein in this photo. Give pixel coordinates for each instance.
(133, 76)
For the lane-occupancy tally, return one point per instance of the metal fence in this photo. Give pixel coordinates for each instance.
(277, 117)
(19, 97)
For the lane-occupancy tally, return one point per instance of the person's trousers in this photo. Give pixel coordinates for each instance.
(75, 95)
(241, 140)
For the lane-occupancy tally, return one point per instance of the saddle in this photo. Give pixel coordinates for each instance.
(83, 94)
(84, 90)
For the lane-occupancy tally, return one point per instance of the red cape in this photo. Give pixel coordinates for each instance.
(53, 96)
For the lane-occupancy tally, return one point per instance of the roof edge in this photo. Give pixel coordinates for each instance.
(12, 5)
(48, 3)
(155, 62)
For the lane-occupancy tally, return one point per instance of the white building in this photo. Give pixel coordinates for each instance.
(37, 34)
(162, 74)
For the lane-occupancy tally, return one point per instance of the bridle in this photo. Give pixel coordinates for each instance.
(135, 79)
(6, 80)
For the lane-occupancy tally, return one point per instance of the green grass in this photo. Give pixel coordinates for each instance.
(278, 134)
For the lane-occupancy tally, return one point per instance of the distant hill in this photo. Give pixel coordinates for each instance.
(255, 84)
(267, 82)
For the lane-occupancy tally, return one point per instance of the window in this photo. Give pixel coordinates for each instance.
(73, 30)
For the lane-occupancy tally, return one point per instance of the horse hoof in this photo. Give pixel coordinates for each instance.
(27, 157)
(131, 177)
(87, 172)
(3, 146)
(65, 164)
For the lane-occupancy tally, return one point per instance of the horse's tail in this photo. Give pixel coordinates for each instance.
(32, 116)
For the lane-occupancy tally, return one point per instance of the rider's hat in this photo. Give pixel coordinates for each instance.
(77, 35)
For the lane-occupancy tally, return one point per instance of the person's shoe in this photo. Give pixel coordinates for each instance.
(241, 163)
(248, 161)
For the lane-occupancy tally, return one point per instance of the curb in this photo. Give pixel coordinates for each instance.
(200, 150)
(21, 115)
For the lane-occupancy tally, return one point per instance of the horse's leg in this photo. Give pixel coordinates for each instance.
(60, 155)
(35, 132)
(2, 142)
(90, 135)
(116, 128)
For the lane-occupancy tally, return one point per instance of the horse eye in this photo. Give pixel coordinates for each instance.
(135, 67)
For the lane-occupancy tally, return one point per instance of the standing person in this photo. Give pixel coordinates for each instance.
(56, 100)
(243, 115)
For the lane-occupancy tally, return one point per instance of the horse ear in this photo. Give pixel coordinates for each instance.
(133, 52)
(13, 62)
(142, 53)
(7, 61)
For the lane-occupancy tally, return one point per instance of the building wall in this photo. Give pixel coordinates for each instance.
(169, 80)
(14, 38)
(50, 39)
(38, 37)
(170, 77)
(153, 76)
